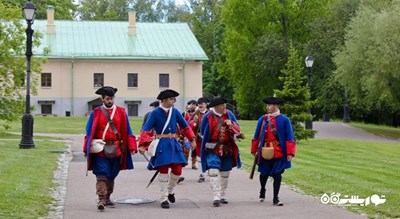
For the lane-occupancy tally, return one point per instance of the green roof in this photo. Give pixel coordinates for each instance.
(110, 40)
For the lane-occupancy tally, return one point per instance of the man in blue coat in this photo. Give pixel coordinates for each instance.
(275, 130)
(219, 152)
(169, 152)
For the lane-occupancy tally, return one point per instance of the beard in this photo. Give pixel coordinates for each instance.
(191, 110)
(109, 105)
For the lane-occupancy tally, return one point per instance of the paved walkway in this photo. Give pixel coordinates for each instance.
(194, 200)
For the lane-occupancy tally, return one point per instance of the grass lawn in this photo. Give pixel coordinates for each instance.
(352, 168)
(380, 130)
(320, 166)
(26, 176)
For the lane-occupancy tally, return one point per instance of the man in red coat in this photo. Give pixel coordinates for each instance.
(195, 123)
(123, 143)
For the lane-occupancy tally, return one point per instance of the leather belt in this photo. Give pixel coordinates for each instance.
(170, 135)
(109, 142)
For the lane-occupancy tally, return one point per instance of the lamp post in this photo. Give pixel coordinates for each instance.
(309, 63)
(27, 119)
(346, 113)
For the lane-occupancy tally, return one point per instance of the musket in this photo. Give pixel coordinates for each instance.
(155, 174)
(260, 143)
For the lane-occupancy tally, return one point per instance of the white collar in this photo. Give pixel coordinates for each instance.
(109, 108)
(203, 111)
(218, 114)
(165, 108)
(276, 113)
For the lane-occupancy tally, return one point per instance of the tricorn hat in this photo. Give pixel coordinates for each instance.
(273, 100)
(192, 102)
(217, 101)
(203, 100)
(107, 91)
(155, 103)
(167, 94)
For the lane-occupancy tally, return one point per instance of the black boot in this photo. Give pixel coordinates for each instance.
(171, 198)
(277, 186)
(216, 203)
(164, 204)
(263, 182)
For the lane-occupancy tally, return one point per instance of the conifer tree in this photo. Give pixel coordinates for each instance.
(296, 94)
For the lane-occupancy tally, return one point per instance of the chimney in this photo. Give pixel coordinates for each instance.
(132, 22)
(51, 28)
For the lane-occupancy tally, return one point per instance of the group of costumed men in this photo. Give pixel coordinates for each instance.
(207, 128)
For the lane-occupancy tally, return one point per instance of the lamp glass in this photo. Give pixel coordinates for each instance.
(29, 11)
(309, 61)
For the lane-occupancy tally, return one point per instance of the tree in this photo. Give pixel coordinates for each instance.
(65, 9)
(368, 62)
(327, 35)
(208, 29)
(110, 10)
(249, 27)
(146, 10)
(13, 64)
(296, 94)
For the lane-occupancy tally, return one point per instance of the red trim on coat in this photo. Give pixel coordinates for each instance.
(291, 147)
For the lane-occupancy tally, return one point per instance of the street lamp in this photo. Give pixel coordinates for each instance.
(309, 63)
(346, 113)
(27, 119)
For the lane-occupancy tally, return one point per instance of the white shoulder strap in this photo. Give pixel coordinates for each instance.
(168, 119)
(108, 124)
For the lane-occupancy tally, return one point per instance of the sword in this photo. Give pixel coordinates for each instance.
(152, 179)
(155, 174)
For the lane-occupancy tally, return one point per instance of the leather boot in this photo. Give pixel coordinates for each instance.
(194, 161)
(110, 189)
(101, 191)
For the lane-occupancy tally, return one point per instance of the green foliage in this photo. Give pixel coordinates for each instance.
(208, 29)
(296, 94)
(255, 44)
(327, 35)
(64, 9)
(368, 63)
(146, 10)
(13, 64)
(114, 10)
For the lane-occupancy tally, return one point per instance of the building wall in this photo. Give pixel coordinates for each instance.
(72, 83)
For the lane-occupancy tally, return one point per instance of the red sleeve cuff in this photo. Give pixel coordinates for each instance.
(188, 133)
(85, 144)
(145, 138)
(132, 144)
(254, 145)
(291, 147)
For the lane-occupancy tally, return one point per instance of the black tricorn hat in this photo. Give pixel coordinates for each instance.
(167, 94)
(192, 102)
(155, 103)
(217, 101)
(203, 100)
(107, 91)
(273, 100)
